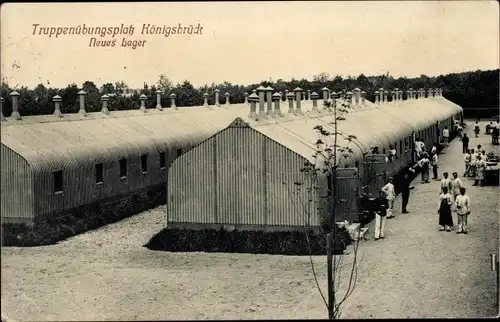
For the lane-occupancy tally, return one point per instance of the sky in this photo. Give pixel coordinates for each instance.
(244, 43)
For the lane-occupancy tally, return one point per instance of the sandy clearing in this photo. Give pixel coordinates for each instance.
(106, 274)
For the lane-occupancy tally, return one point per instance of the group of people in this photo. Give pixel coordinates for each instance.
(452, 194)
(453, 198)
(476, 165)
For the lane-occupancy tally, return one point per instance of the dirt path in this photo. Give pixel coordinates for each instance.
(107, 274)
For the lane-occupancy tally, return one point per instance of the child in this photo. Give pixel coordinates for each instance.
(463, 211)
(476, 128)
(444, 211)
(381, 207)
(390, 194)
(445, 183)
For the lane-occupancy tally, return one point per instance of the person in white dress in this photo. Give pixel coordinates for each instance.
(446, 135)
(480, 171)
(390, 194)
(463, 206)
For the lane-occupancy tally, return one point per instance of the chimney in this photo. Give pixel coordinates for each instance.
(429, 93)
(363, 98)
(298, 93)
(290, 97)
(1, 109)
(349, 97)
(262, 108)
(401, 95)
(386, 96)
(314, 97)
(410, 94)
(334, 97)
(143, 99)
(217, 97)
(246, 98)
(172, 101)
(381, 92)
(269, 100)
(325, 94)
(57, 105)
(253, 98)
(357, 95)
(104, 100)
(82, 102)
(277, 99)
(205, 100)
(286, 94)
(281, 95)
(377, 97)
(395, 94)
(227, 99)
(15, 109)
(308, 94)
(158, 100)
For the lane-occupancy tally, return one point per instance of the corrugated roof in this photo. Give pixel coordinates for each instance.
(372, 124)
(50, 142)
(47, 142)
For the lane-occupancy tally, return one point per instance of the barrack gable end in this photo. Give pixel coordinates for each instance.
(238, 122)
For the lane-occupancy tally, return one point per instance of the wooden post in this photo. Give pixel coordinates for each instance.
(329, 261)
(495, 268)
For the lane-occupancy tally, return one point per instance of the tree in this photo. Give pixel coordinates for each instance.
(326, 159)
(164, 84)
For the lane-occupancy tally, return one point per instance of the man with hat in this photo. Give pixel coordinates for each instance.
(390, 195)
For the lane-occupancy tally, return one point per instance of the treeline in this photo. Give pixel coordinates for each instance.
(471, 90)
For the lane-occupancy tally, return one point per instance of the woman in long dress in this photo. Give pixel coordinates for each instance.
(480, 169)
(445, 216)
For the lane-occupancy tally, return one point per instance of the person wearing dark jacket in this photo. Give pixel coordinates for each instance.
(465, 143)
(381, 204)
(405, 187)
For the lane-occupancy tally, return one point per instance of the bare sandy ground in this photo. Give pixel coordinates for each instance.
(416, 271)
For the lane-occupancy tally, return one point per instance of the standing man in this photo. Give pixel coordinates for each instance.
(462, 203)
(390, 194)
(381, 207)
(446, 135)
(434, 162)
(465, 143)
(405, 190)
